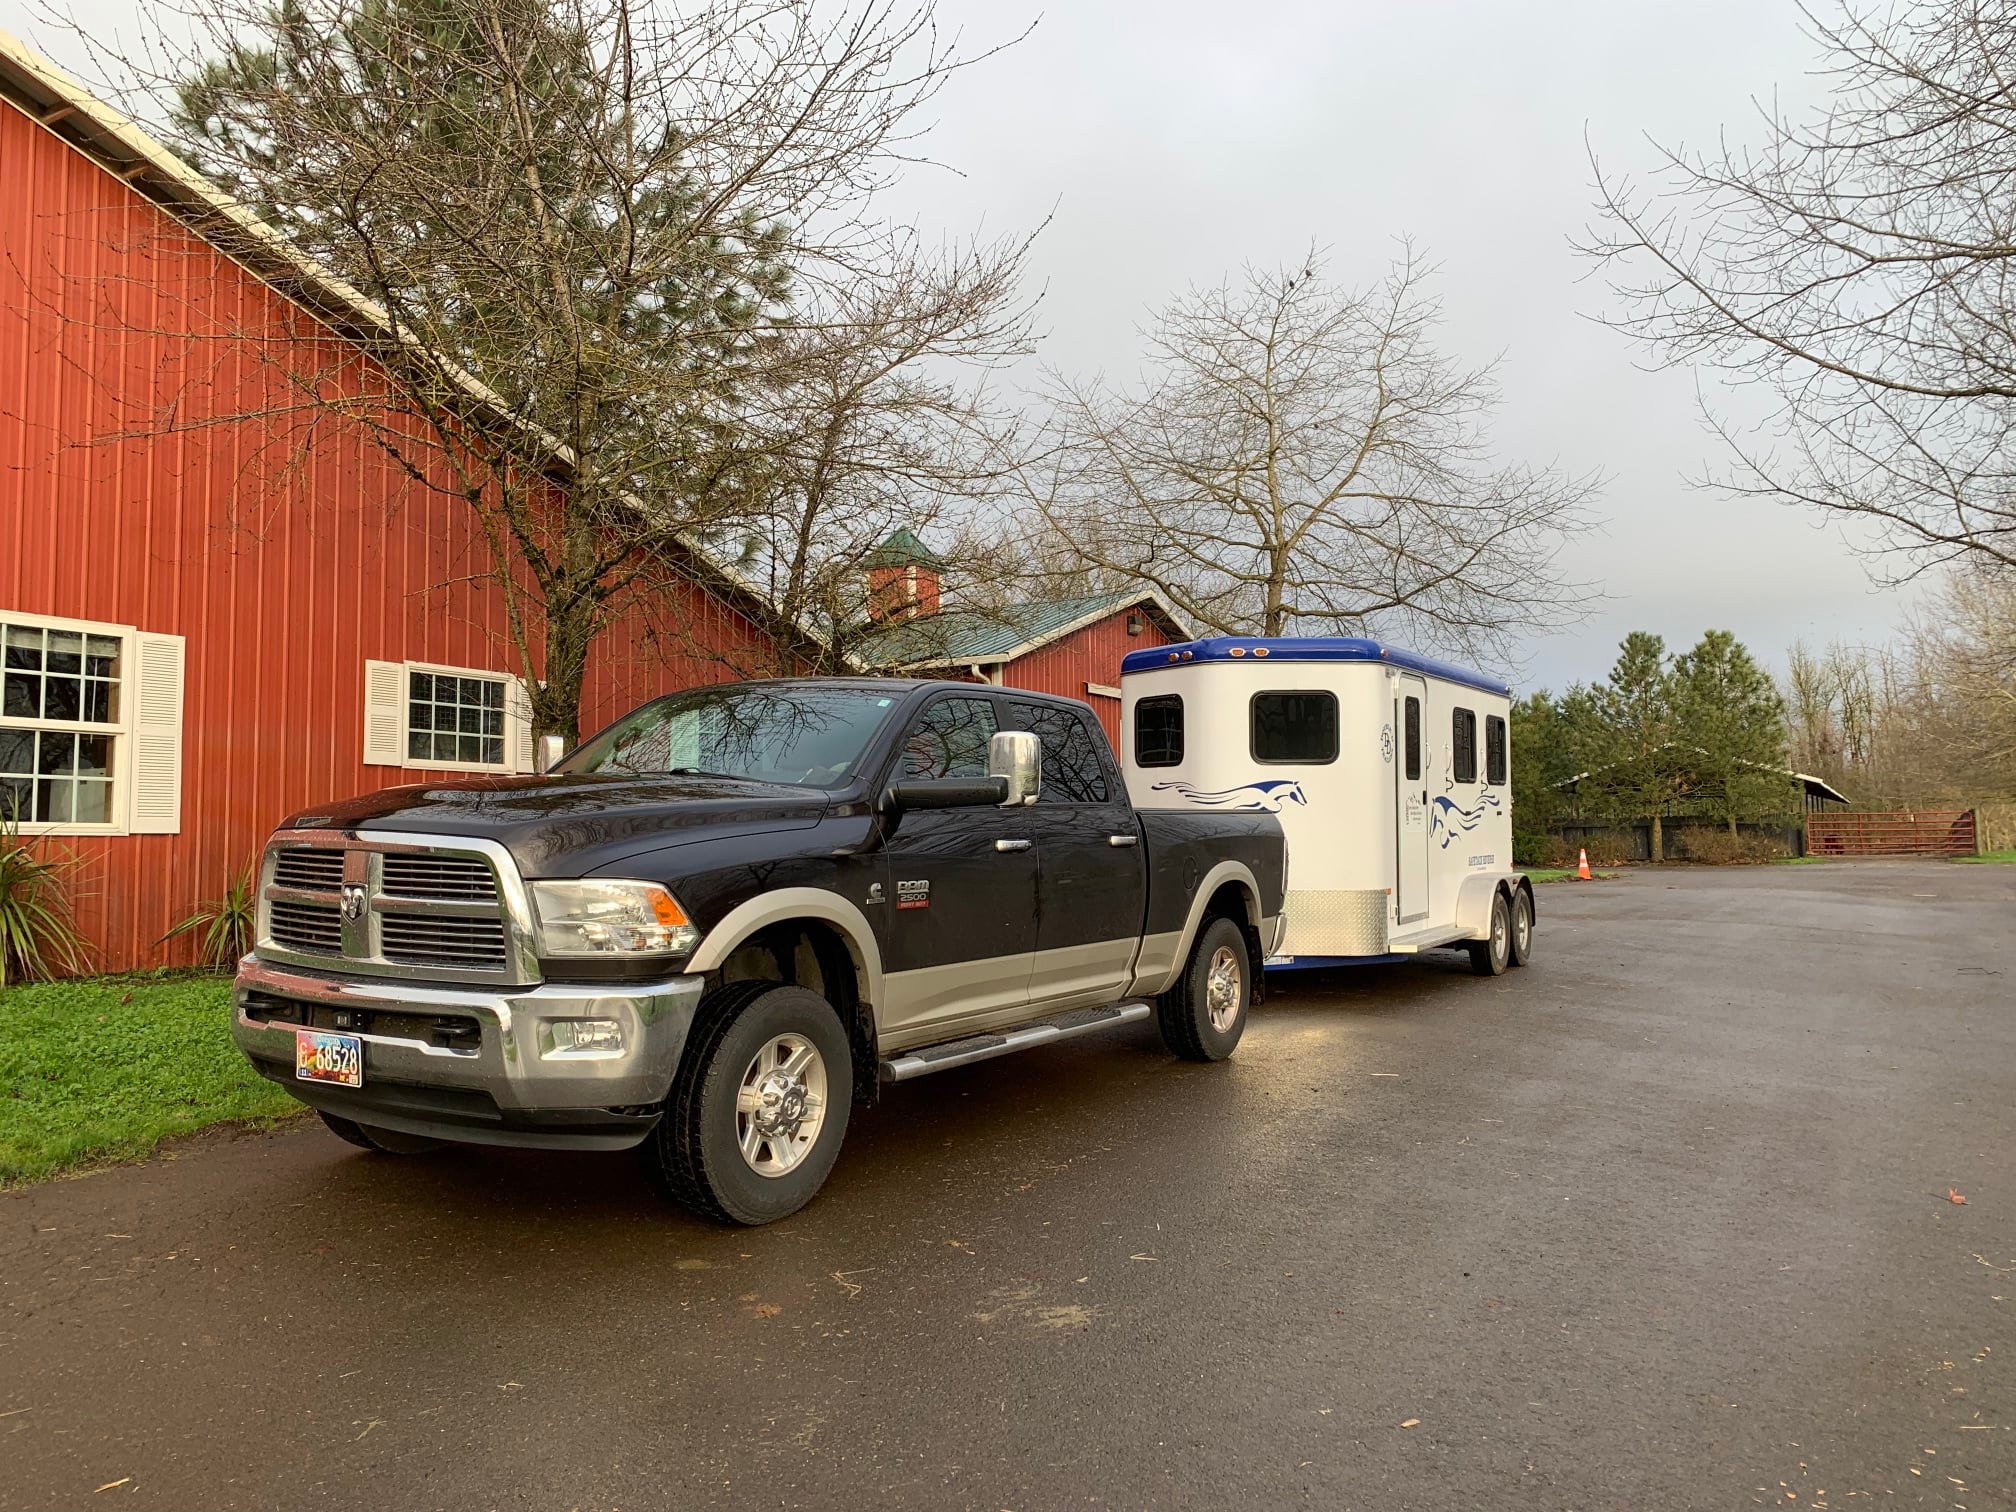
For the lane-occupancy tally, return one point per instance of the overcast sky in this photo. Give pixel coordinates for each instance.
(1177, 140)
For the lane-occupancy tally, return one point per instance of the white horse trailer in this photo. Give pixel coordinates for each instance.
(1390, 772)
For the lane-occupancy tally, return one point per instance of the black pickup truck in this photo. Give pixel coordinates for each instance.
(733, 914)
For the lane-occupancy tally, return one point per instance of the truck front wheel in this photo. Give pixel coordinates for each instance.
(1204, 1014)
(759, 1107)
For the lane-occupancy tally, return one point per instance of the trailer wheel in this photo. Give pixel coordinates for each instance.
(371, 1137)
(1490, 956)
(759, 1107)
(1521, 944)
(1204, 1014)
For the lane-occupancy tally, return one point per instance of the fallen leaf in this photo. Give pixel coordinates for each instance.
(1149, 1258)
(767, 1310)
(1954, 1197)
(124, 1478)
(1411, 1423)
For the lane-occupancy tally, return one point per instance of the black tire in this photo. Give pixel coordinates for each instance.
(1519, 944)
(380, 1141)
(1184, 1012)
(695, 1156)
(1490, 956)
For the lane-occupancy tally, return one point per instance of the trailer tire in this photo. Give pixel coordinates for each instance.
(709, 1152)
(1492, 954)
(1520, 945)
(379, 1141)
(1204, 1014)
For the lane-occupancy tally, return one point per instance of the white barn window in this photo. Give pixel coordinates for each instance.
(90, 727)
(436, 718)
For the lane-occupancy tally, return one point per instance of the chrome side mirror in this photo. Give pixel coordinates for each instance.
(1018, 756)
(551, 749)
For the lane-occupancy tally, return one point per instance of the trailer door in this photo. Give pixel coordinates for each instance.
(1410, 802)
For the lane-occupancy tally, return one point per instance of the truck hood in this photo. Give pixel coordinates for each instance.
(572, 826)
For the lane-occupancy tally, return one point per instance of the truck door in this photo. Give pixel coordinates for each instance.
(1091, 873)
(1410, 803)
(959, 911)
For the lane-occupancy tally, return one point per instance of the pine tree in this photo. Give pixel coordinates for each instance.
(1728, 716)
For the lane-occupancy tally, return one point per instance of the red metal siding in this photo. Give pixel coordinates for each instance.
(1090, 655)
(286, 554)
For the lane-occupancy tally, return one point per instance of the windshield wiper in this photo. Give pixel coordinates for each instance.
(703, 772)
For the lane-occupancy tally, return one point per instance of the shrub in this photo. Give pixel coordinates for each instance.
(38, 933)
(222, 926)
(1532, 848)
(1714, 846)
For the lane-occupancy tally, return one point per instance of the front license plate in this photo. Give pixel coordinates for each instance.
(323, 1057)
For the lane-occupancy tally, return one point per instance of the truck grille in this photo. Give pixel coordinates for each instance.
(432, 912)
(315, 928)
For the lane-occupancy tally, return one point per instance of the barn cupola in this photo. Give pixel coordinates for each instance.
(903, 578)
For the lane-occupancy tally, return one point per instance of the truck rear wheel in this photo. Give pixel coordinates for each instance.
(759, 1107)
(1204, 1014)
(383, 1141)
(1492, 954)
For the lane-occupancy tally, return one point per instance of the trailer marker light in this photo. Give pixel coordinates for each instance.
(1172, 656)
(1238, 650)
(1259, 650)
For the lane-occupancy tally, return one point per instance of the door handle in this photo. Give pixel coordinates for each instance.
(1011, 845)
(1117, 840)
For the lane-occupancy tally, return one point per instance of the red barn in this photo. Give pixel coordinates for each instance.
(210, 618)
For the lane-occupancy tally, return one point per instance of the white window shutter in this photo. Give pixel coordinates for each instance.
(384, 713)
(518, 726)
(157, 735)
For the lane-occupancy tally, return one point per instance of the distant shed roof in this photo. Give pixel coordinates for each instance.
(966, 637)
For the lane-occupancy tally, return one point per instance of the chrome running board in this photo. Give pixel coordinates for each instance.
(979, 1047)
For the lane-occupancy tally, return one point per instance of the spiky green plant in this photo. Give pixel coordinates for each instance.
(222, 926)
(38, 932)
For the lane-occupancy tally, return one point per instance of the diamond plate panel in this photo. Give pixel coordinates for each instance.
(1336, 922)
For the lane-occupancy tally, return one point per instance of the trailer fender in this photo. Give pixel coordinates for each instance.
(1473, 901)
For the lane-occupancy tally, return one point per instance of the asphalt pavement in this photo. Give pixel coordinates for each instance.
(1661, 1221)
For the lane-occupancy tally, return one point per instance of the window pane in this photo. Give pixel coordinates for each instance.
(472, 691)
(1494, 749)
(472, 721)
(98, 701)
(59, 753)
(23, 696)
(94, 755)
(17, 751)
(420, 717)
(94, 802)
(66, 651)
(419, 745)
(422, 687)
(1413, 740)
(1158, 731)
(493, 695)
(101, 655)
(16, 795)
(1463, 745)
(24, 648)
(472, 748)
(493, 752)
(444, 747)
(1071, 769)
(493, 722)
(62, 698)
(1295, 727)
(52, 800)
(950, 739)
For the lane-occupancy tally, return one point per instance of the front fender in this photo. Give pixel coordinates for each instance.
(782, 906)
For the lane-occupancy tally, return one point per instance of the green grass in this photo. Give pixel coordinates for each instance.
(1801, 860)
(106, 1068)
(1539, 874)
(1991, 858)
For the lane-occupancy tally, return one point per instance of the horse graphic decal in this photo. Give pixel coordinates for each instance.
(1449, 819)
(1261, 797)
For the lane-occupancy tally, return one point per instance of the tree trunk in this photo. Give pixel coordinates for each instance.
(1658, 839)
(556, 703)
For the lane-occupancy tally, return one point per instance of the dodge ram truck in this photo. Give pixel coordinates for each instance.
(731, 916)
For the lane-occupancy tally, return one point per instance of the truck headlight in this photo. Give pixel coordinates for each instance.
(596, 918)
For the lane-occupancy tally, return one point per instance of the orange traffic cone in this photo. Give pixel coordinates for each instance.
(1582, 868)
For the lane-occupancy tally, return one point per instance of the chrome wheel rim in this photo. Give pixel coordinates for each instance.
(1499, 934)
(1522, 931)
(780, 1105)
(1223, 994)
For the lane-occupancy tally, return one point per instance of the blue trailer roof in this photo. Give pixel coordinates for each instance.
(1305, 648)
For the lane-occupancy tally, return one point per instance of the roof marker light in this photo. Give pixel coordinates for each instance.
(1238, 650)
(1259, 650)
(1187, 655)
(1172, 656)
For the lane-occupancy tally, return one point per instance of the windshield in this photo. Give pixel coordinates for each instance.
(803, 736)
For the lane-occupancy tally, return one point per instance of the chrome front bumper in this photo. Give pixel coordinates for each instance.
(510, 1087)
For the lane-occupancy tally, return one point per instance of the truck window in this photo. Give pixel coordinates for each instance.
(1463, 745)
(1413, 739)
(950, 739)
(1295, 727)
(804, 736)
(1158, 731)
(1072, 771)
(1494, 750)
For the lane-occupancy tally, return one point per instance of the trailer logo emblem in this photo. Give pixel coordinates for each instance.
(353, 901)
(1451, 819)
(1259, 797)
(1386, 744)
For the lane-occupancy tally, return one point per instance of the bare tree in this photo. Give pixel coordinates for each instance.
(1854, 265)
(596, 239)
(1299, 456)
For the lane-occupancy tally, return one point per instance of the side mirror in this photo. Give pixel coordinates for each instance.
(939, 793)
(551, 749)
(1017, 757)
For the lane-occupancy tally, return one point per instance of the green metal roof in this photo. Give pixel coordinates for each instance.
(903, 549)
(966, 635)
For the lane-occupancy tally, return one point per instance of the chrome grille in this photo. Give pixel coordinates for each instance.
(313, 928)
(439, 940)
(461, 879)
(317, 869)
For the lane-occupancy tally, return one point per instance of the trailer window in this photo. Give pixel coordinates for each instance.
(1413, 739)
(1158, 731)
(1494, 750)
(1072, 771)
(1295, 727)
(1463, 746)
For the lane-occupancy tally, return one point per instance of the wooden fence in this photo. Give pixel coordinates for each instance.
(1898, 832)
